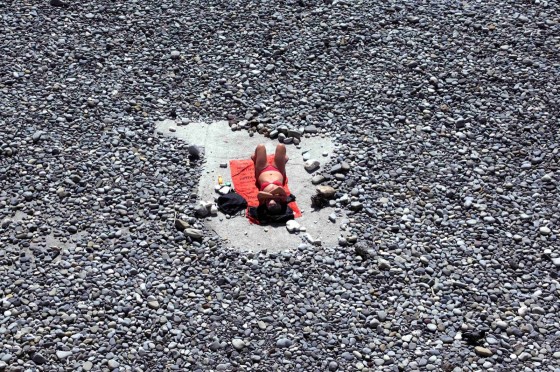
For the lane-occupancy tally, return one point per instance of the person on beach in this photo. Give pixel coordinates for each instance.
(271, 178)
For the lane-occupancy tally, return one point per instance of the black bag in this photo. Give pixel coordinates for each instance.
(231, 203)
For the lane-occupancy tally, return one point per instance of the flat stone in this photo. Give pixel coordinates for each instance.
(283, 342)
(61, 354)
(482, 351)
(544, 230)
(87, 366)
(312, 129)
(312, 165)
(317, 179)
(325, 191)
(194, 233)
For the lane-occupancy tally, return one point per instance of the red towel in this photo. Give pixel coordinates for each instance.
(244, 182)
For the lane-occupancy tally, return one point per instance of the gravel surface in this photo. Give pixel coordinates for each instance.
(445, 116)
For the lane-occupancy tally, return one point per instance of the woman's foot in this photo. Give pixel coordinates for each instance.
(286, 158)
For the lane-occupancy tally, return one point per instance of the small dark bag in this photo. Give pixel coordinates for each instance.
(231, 203)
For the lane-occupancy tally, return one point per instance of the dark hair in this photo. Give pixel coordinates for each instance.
(263, 216)
(276, 208)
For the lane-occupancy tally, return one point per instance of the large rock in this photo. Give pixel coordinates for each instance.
(325, 191)
(312, 165)
(194, 233)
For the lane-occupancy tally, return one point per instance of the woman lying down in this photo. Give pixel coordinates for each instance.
(271, 179)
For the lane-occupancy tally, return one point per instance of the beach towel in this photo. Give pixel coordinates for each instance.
(244, 183)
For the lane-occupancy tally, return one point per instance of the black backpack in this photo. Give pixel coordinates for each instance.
(231, 203)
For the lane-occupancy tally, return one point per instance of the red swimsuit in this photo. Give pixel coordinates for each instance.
(269, 168)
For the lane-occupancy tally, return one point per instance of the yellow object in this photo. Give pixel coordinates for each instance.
(220, 180)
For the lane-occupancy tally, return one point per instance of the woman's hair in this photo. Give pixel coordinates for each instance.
(275, 208)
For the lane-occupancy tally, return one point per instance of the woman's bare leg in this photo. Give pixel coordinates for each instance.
(280, 159)
(259, 158)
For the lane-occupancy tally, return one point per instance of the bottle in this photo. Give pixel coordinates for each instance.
(220, 180)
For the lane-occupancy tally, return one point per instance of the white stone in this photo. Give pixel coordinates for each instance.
(63, 354)
(292, 226)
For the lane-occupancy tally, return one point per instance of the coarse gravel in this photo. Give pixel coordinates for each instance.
(445, 116)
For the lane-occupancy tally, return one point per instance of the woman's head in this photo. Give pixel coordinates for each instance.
(273, 206)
